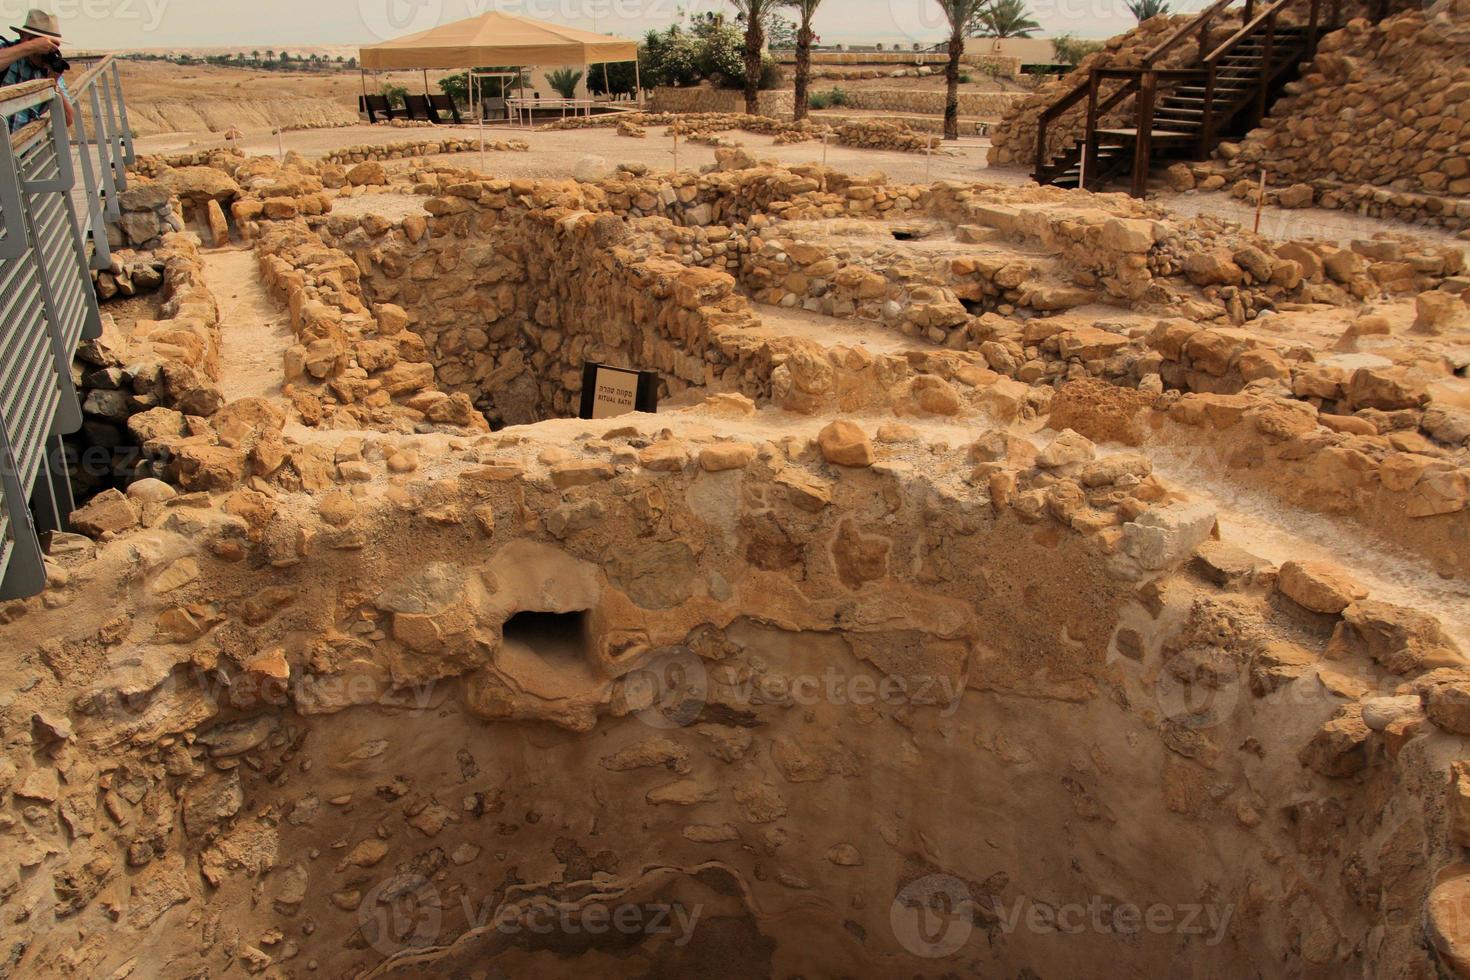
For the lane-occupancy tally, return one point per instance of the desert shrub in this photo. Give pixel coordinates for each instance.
(394, 94)
(829, 99)
(1069, 50)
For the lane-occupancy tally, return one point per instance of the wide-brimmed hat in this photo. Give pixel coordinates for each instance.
(40, 23)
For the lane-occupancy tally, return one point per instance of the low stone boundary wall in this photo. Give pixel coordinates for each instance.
(915, 123)
(417, 148)
(703, 98)
(990, 105)
(1240, 181)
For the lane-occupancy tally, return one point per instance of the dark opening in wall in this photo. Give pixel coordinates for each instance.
(104, 454)
(559, 639)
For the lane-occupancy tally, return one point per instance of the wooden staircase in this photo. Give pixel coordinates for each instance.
(1183, 113)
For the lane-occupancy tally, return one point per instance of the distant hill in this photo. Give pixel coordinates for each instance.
(328, 51)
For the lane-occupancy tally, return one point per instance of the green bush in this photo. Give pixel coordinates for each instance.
(457, 86)
(723, 55)
(620, 78)
(965, 78)
(829, 99)
(394, 94)
(1068, 50)
(771, 77)
(712, 51)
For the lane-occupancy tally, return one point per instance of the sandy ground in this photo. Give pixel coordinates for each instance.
(144, 81)
(1336, 226)
(254, 333)
(555, 154)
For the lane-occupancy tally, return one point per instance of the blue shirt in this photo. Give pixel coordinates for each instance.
(24, 71)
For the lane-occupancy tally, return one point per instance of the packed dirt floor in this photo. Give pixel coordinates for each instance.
(1010, 580)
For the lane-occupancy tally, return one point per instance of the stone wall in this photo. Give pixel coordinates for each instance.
(706, 98)
(346, 156)
(781, 105)
(147, 390)
(303, 664)
(1385, 105)
(220, 157)
(989, 105)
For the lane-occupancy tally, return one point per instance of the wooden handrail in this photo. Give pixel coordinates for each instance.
(1144, 79)
(1163, 47)
(89, 76)
(1245, 31)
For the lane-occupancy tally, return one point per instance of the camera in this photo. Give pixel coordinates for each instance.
(56, 63)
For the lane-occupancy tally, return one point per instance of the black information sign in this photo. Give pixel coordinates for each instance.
(611, 391)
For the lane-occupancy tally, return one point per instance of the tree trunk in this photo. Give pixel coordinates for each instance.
(803, 69)
(952, 83)
(755, 39)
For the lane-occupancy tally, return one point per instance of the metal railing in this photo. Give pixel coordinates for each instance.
(54, 232)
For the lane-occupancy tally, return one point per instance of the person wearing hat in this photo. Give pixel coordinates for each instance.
(30, 58)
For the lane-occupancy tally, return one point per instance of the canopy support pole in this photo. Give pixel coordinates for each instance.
(479, 115)
(426, 81)
(637, 84)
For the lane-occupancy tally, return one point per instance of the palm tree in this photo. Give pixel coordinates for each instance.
(755, 13)
(1006, 18)
(804, 38)
(255, 57)
(960, 14)
(564, 81)
(1147, 9)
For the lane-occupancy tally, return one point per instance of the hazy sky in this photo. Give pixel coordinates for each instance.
(162, 23)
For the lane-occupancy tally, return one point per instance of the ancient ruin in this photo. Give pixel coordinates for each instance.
(1012, 579)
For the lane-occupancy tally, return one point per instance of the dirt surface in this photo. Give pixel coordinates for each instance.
(169, 98)
(555, 153)
(254, 334)
(1333, 226)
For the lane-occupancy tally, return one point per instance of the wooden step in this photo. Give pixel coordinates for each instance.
(1131, 133)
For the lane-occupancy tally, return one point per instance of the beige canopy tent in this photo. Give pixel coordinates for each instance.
(498, 39)
(495, 38)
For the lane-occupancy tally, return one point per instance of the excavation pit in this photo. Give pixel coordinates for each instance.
(905, 640)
